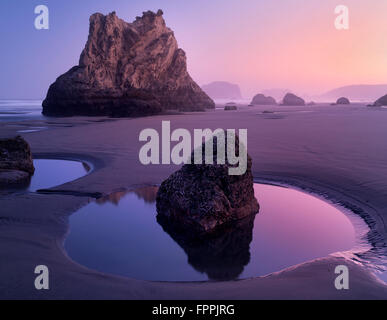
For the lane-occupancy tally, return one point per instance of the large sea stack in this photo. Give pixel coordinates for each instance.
(127, 69)
(200, 199)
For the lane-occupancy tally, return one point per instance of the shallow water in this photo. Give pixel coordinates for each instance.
(50, 173)
(121, 235)
(15, 110)
(32, 129)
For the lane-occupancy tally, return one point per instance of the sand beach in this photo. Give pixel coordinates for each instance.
(336, 152)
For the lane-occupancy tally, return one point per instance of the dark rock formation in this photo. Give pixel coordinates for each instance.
(291, 99)
(15, 154)
(221, 255)
(127, 69)
(381, 101)
(14, 179)
(229, 107)
(343, 100)
(201, 198)
(16, 166)
(261, 99)
(222, 90)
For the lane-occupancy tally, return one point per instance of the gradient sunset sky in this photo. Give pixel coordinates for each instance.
(258, 44)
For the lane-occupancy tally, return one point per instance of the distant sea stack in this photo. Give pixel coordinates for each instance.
(230, 106)
(343, 100)
(223, 90)
(291, 99)
(261, 99)
(356, 92)
(381, 101)
(127, 69)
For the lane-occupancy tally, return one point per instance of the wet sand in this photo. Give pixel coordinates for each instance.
(338, 152)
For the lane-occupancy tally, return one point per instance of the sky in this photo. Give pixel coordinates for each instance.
(258, 44)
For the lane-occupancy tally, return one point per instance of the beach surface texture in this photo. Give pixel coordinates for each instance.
(339, 153)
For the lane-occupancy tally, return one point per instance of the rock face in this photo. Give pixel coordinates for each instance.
(291, 99)
(222, 90)
(199, 199)
(16, 166)
(127, 69)
(261, 99)
(381, 101)
(343, 100)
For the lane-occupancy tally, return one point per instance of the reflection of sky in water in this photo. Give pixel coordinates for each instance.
(32, 129)
(51, 173)
(120, 235)
(14, 110)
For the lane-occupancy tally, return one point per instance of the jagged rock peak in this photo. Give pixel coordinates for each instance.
(127, 69)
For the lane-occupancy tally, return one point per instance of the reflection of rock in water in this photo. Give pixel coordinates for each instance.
(221, 255)
(114, 198)
(148, 194)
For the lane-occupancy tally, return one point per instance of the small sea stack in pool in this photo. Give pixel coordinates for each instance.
(343, 101)
(291, 99)
(381, 102)
(199, 198)
(16, 165)
(261, 99)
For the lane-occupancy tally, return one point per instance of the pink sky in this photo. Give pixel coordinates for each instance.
(289, 44)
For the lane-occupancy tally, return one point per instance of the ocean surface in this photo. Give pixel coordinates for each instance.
(18, 110)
